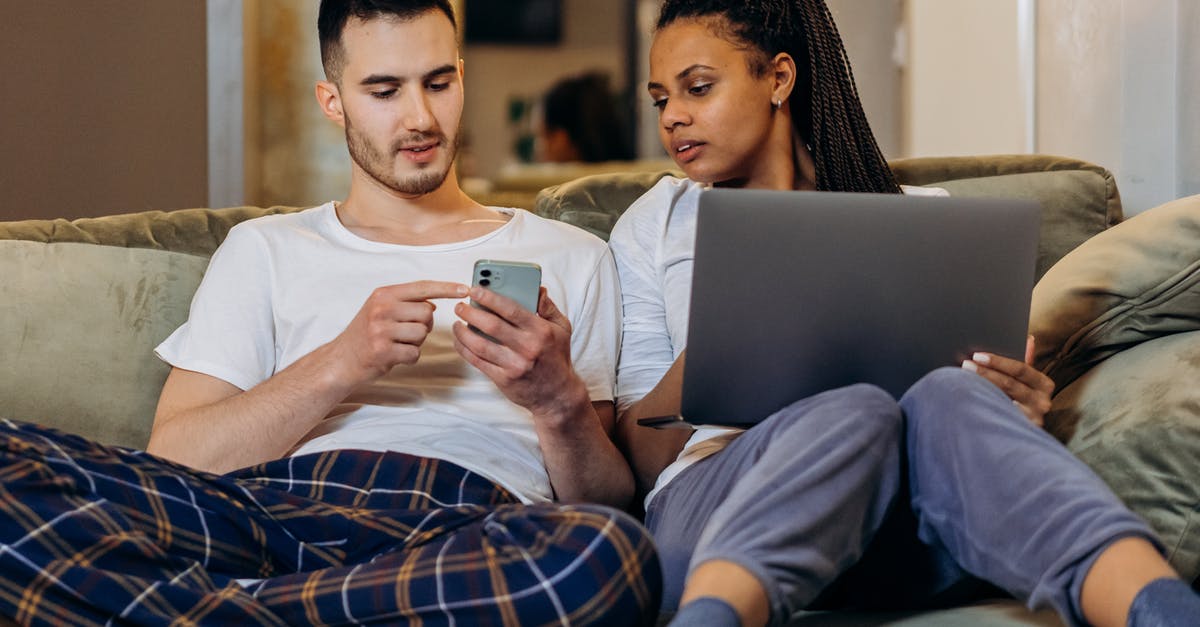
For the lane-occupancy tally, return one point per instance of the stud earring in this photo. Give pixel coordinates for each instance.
(777, 103)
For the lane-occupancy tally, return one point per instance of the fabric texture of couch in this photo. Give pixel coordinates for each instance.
(83, 303)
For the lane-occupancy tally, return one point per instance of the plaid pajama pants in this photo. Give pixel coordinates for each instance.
(92, 534)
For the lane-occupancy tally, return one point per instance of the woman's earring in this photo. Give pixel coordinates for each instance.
(777, 103)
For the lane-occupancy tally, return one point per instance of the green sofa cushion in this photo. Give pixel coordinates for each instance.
(1135, 419)
(1136, 281)
(1078, 199)
(79, 321)
(1118, 328)
(1072, 211)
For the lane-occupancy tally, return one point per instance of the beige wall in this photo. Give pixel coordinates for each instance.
(966, 90)
(868, 30)
(103, 107)
(1189, 98)
(1117, 86)
(593, 38)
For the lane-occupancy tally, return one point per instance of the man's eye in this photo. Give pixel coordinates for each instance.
(383, 95)
(439, 86)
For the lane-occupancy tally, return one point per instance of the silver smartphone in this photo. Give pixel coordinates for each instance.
(518, 280)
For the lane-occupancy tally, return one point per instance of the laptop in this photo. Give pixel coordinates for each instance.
(796, 293)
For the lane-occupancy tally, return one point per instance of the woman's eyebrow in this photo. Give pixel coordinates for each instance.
(691, 69)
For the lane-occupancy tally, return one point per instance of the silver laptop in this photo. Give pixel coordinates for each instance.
(795, 293)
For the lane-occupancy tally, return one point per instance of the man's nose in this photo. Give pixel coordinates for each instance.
(417, 114)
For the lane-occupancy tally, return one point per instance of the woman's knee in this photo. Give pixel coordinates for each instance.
(862, 407)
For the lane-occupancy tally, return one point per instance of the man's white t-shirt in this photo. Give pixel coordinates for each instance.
(281, 286)
(654, 246)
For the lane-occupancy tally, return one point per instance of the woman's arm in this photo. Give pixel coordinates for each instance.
(650, 450)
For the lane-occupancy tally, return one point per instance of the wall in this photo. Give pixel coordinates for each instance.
(869, 31)
(103, 107)
(967, 80)
(1189, 98)
(294, 155)
(1117, 86)
(594, 36)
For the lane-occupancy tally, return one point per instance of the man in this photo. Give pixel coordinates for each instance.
(396, 463)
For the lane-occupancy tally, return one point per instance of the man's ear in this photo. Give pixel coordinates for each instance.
(783, 69)
(330, 100)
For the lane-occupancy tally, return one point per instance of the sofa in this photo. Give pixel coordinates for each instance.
(1116, 310)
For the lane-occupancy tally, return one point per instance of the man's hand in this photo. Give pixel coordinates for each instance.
(390, 327)
(530, 361)
(1029, 388)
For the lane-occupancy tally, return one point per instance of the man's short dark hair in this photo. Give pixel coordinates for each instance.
(334, 15)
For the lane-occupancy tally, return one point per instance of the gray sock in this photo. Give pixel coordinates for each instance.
(706, 612)
(1165, 603)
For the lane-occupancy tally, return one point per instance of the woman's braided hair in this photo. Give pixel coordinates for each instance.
(825, 106)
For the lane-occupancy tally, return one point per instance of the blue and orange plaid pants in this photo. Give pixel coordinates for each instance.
(93, 534)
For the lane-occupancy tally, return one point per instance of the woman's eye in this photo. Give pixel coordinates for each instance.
(699, 90)
(659, 104)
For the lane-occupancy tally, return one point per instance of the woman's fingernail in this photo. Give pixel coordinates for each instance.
(982, 358)
(970, 365)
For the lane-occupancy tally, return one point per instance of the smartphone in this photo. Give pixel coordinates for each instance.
(518, 280)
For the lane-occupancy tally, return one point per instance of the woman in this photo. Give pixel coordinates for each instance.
(847, 491)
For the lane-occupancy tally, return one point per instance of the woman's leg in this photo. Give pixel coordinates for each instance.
(786, 507)
(1013, 506)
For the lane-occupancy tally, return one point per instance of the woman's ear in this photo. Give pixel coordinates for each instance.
(783, 72)
(330, 100)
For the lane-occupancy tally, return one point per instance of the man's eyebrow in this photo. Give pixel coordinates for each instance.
(682, 75)
(376, 79)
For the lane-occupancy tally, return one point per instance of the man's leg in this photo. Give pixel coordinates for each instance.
(516, 565)
(787, 506)
(89, 532)
(1006, 500)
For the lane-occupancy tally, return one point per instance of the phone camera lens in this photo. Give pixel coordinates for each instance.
(485, 273)
(484, 282)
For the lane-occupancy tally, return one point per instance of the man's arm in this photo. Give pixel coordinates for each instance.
(530, 362)
(212, 425)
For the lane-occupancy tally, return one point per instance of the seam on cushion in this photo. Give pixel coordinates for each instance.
(96, 245)
(1074, 346)
(1183, 534)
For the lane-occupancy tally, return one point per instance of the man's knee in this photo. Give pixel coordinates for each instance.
(604, 566)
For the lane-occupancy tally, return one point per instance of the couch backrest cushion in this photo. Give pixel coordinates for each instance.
(191, 231)
(78, 322)
(1078, 199)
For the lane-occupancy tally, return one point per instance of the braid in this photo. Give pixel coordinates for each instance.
(825, 105)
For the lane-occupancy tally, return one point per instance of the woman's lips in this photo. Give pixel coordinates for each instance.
(687, 151)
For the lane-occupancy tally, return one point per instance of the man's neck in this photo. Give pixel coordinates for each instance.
(443, 216)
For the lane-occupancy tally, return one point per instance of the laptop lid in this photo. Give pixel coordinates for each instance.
(795, 293)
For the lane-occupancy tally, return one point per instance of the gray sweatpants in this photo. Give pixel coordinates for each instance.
(850, 498)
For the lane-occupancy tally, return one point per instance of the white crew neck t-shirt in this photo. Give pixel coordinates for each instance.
(281, 286)
(654, 246)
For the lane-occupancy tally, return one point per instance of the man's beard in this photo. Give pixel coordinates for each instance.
(378, 165)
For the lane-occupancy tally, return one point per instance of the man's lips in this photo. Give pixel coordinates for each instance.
(422, 152)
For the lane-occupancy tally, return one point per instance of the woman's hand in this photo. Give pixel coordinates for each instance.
(1027, 386)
